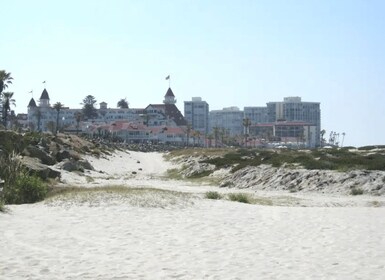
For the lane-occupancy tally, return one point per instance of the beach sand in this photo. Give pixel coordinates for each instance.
(187, 236)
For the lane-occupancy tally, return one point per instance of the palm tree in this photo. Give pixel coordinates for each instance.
(223, 134)
(38, 117)
(198, 135)
(57, 106)
(210, 137)
(246, 124)
(188, 131)
(7, 102)
(323, 140)
(78, 118)
(216, 135)
(343, 138)
(123, 104)
(5, 80)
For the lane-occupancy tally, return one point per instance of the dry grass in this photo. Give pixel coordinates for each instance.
(176, 174)
(118, 195)
(217, 152)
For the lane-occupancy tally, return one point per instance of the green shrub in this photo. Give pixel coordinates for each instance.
(10, 168)
(27, 189)
(356, 191)
(240, 197)
(213, 195)
(2, 207)
(19, 186)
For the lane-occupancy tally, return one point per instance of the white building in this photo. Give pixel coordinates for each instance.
(256, 114)
(43, 117)
(293, 109)
(196, 113)
(230, 119)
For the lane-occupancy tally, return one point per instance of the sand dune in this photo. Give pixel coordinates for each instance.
(186, 237)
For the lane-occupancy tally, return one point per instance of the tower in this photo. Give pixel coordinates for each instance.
(169, 98)
(44, 99)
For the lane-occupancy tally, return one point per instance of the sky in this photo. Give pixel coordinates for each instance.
(229, 53)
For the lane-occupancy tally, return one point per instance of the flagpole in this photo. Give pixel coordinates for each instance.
(169, 80)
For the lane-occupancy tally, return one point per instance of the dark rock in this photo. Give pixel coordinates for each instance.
(40, 154)
(62, 155)
(35, 167)
(69, 165)
(85, 164)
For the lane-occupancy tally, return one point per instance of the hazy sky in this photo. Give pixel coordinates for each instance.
(230, 53)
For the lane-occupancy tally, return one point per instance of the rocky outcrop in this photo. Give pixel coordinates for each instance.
(266, 177)
(62, 155)
(192, 167)
(39, 153)
(290, 179)
(34, 166)
(71, 165)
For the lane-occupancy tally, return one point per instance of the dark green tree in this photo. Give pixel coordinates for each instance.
(123, 104)
(89, 110)
(7, 102)
(5, 80)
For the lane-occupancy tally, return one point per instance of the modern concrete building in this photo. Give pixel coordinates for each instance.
(290, 134)
(230, 119)
(292, 109)
(256, 114)
(196, 113)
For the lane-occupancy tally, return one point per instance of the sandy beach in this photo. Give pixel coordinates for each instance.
(182, 235)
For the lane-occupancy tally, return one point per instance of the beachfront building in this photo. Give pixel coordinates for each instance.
(157, 123)
(284, 133)
(196, 113)
(256, 114)
(229, 119)
(43, 117)
(132, 132)
(292, 109)
(131, 125)
(166, 114)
